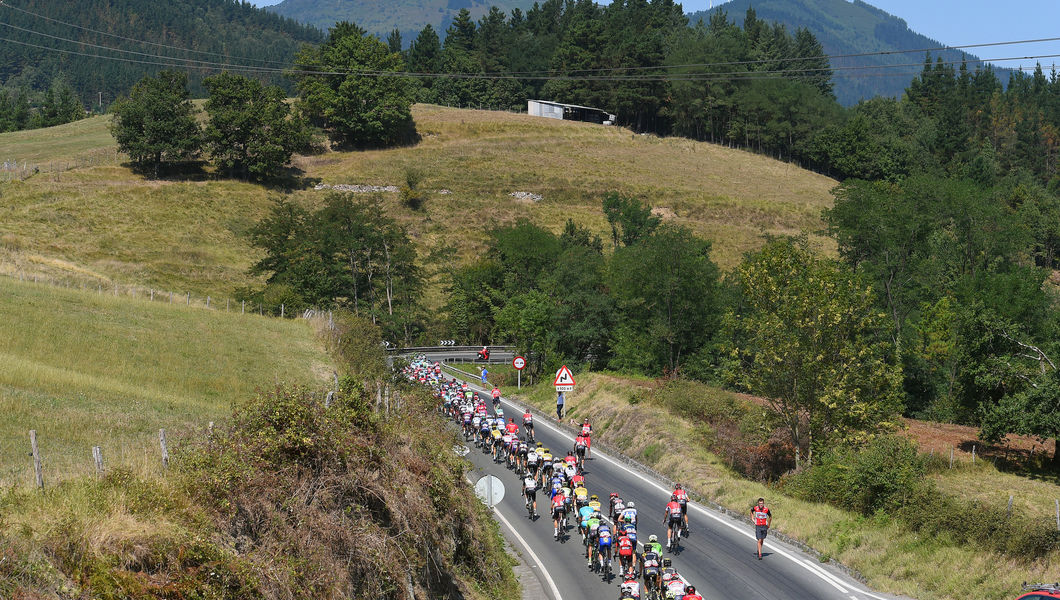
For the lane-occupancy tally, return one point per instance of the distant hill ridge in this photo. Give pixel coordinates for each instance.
(216, 31)
(845, 27)
(383, 16)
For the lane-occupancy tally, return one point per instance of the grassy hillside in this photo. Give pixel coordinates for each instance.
(101, 221)
(86, 369)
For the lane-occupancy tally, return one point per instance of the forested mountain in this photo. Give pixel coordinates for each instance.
(845, 27)
(139, 37)
(383, 16)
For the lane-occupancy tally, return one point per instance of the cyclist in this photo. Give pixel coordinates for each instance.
(654, 545)
(528, 424)
(530, 492)
(617, 506)
(496, 393)
(558, 511)
(649, 566)
(690, 593)
(672, 520)
(627, 557)
(629, 588)
(584, 514)
(603, 541)
(581, 496)
(579, 450)
(676, 588)
(511, 427)
(577, 480)
(682, 499)
(630, 530)
(594, 502)
(592, 527)
(546, 464)
(667, 575)
(532, 461)
(630, 514)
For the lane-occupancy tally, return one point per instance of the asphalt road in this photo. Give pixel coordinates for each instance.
(718, 557)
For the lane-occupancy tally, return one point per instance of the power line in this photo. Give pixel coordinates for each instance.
(138, 41)
(730, 76)
(539, 75)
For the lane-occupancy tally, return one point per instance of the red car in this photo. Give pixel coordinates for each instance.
(1040, 591)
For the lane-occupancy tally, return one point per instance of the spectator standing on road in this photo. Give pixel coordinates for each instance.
(559, 406)
(763, 518)
(484, 373)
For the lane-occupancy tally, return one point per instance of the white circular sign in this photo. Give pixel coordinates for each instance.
(519, 363)
(490, 490)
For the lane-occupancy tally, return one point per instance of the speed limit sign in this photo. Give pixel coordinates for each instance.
(519, 362)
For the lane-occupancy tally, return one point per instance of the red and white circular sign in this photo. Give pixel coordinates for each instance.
(519, 363)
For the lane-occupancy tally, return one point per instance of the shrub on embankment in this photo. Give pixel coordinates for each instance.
(291, 500)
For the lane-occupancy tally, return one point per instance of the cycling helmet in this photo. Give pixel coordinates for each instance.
(630, 505)
(630, 576)
(539, 444)
(677, 485)
(500, 412)
(673, 497)
(690, 589)
(653, 538)
(614, 494)
(594, 497)
(667, 562)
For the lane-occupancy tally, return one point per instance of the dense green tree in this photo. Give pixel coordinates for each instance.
(631, 220)
(251, 132)
(811, 341)
(665, 288)
(156, 123)
(357, 107)
(60, 105)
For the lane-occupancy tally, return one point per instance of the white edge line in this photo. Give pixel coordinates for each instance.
(540, 566)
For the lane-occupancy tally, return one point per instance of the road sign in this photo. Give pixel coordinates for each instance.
(564, 380)
(490, 490)
(519, 363)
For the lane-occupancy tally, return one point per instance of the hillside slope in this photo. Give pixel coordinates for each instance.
(383, 16)
(105, 46)
(89, 369)
(87, 218)
(845, 27)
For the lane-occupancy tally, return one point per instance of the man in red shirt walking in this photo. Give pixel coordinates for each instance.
(763, 518)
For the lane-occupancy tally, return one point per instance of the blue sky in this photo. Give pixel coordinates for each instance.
(962, 22)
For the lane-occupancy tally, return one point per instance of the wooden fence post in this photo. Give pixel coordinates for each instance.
(35, 451)
(973, 454)
(165, 450)
(152, 295)
(228, 302)
(242, 307)
(189, 298)
(97, 455)
(207, 302)
(281, 310)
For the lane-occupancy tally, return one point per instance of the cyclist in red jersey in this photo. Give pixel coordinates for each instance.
(690, 593)
(672, 520)
(627, 558)
(587, 429)
(511, 427)
(559, 510)
(682, 499)
(763, 518)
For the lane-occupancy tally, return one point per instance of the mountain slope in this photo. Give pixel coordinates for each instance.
(845, 27)
(139, 37)
(383, 16)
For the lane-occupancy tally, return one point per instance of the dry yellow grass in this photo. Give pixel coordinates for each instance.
(890, 558)
(87, 217)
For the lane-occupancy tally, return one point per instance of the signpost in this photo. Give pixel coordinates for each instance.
(564, 380)
(519, 363)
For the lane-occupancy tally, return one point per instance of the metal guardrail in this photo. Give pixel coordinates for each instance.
(422, 349)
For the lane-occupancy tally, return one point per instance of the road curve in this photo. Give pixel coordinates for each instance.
(718, 558)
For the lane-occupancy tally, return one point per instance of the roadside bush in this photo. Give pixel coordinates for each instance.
(881, 476)
(886, 477)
